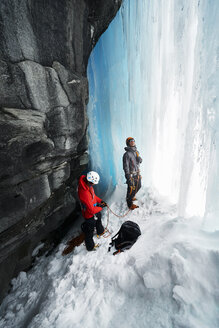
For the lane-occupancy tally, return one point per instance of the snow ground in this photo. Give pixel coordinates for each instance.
(168, 279)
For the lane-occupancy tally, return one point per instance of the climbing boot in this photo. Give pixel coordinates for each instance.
(133, 206)
(95, 247)
(105, 232)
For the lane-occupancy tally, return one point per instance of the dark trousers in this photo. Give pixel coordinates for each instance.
(88, 228)
(133, 188)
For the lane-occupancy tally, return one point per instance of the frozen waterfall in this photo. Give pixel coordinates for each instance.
(154, 76)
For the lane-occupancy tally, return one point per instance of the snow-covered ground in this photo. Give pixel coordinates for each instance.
(168, 279)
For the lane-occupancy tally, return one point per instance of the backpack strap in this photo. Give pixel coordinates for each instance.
(116, 235)
(113, 240)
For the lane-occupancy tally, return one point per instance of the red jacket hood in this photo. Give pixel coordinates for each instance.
(82, 182)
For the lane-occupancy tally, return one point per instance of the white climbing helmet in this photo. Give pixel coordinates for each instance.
(93, 177)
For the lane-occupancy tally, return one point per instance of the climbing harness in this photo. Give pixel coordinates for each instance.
(134, 187)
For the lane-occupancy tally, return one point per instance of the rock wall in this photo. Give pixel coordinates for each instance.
(44, 50)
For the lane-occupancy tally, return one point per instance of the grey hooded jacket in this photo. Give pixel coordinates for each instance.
(131, 161)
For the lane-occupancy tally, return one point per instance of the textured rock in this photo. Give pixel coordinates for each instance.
(13, 91)
(44, 50)
(43, 85)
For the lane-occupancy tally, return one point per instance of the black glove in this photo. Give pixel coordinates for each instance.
(99, 205)
(103, 203)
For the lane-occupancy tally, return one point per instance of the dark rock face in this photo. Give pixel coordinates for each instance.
(44, 50)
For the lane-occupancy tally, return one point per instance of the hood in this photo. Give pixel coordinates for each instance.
(82, 182)
(128, 148)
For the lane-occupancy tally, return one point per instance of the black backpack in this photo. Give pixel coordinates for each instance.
(125, 237)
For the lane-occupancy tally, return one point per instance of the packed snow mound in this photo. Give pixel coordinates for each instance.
(168, 279)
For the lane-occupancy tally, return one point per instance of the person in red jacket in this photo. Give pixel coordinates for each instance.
(91, 207)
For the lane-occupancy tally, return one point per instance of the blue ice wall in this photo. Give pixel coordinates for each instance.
(104, 108)
(154, 76)
(115, 100)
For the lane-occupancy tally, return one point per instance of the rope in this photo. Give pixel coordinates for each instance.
(118, 216)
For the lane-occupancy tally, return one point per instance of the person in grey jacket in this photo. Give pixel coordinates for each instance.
(131, 163)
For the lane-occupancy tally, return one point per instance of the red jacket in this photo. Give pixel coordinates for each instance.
(88, 199)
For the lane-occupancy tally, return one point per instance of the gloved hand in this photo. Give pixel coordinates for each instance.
(103, 204)
(98, 205)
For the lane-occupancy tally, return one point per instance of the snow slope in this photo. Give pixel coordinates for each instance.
(168, 279)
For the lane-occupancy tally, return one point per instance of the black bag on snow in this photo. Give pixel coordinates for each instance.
(125, 237)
